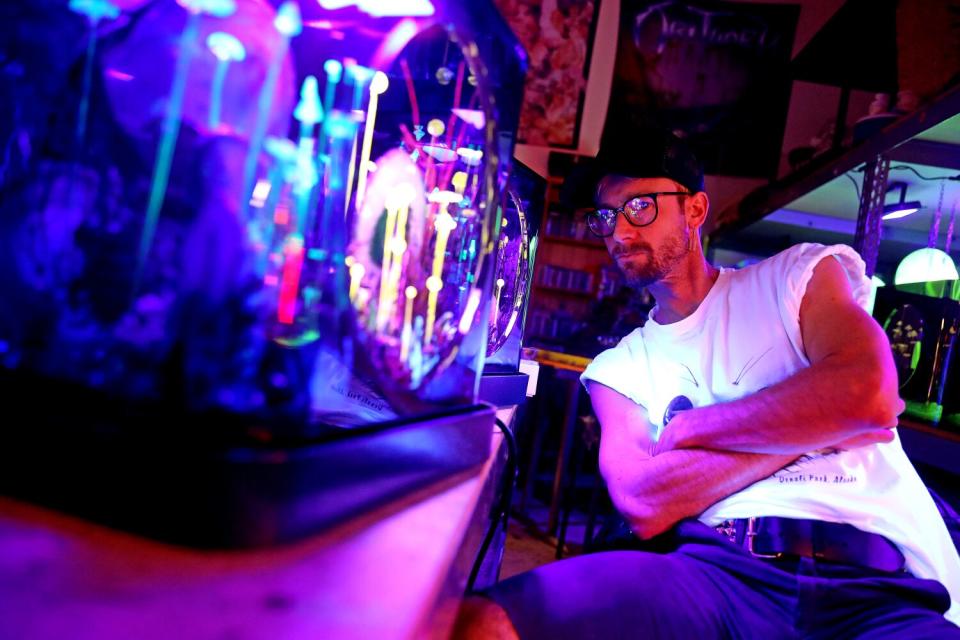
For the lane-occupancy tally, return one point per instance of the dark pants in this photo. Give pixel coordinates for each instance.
(707, 587)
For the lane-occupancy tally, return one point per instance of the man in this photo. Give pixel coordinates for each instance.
(783, 497)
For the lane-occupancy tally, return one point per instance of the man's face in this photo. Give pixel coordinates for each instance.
(647, 254)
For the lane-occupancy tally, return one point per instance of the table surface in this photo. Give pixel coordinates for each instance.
(392, 574)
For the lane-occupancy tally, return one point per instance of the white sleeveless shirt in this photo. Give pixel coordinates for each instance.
(745, 336)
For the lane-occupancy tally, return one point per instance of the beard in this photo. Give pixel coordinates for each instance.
(641, 266)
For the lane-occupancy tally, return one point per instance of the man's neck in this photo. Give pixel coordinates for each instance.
(680, 293)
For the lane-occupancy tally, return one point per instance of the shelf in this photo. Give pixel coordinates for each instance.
(895, 141)
(565, 292)
(573, 242)
(930, 445)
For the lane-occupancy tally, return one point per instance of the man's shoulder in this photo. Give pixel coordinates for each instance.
(622, 368)
(795, 259)
(626, 345)
(625, 350)
(789, 256)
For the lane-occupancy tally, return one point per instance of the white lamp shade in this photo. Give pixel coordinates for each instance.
(925, 265)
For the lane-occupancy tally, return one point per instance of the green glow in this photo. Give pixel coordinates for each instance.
(915, 358)
(925, 265)
(928, 411)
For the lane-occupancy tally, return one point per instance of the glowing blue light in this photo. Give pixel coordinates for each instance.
(288, 21)
(309, 111)
(340, 126)
(95, 10)
(333, 69)
(215, 8)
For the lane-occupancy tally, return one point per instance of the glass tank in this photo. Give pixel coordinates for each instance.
(283, 212)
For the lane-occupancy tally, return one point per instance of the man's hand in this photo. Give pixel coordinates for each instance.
(653, 494)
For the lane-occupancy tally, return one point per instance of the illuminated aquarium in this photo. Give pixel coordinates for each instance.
(282, 212)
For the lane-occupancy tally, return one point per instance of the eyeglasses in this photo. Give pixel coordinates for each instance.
(640, 210)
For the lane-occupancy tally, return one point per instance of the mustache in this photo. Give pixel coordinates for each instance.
(629, 248)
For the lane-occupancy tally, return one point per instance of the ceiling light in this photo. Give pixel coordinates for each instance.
(900, 209)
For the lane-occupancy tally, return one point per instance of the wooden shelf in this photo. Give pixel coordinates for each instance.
(930, 445)
(573, 293)
(573, 242)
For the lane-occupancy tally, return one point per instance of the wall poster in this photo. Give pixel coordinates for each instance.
(558, 36)
(714, 72)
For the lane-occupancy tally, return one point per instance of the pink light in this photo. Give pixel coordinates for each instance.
(318, 24)
(381, 9)
(333, 5)
(394, 42)
(473, 117)
(290, 279)
(469, 311)
(119, 75)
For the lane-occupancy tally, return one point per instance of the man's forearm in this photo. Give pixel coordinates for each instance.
(662, 490)
(820, 406)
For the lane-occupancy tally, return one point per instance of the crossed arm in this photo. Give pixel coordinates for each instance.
(847, 397)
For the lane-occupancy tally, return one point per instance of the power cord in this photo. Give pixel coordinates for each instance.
(856, 186)
(501, 513)
(907, 167)
(920, 175)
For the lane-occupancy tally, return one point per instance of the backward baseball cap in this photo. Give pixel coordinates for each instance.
(652, 154)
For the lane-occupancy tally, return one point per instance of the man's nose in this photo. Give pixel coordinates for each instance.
(622, 229)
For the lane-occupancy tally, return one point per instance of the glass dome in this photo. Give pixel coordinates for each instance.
(512, 277)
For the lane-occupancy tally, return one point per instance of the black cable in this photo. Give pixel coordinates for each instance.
(863, 168)
(855, 185)
(920, 175)
(502, 511)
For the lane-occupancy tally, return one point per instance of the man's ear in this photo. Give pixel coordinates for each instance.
(697, 207)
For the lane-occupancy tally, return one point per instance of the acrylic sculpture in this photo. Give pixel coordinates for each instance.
(281, 211)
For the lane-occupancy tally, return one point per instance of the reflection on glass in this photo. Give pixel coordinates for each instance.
(512, 274)
(904, 327)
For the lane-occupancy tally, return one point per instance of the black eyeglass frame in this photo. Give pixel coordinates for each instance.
(595, 214)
